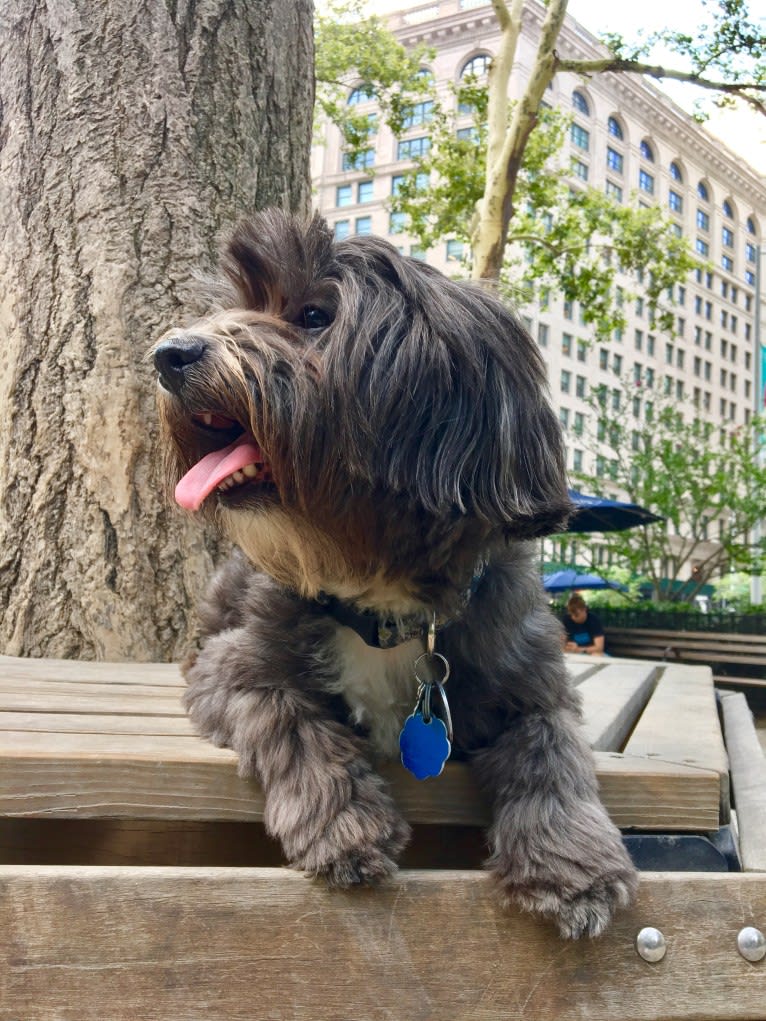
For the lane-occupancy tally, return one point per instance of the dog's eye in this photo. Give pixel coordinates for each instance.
(314, 318)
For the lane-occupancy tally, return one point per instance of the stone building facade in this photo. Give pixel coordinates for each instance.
(630, 140)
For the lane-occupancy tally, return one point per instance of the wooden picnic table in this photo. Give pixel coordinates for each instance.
(136, 880)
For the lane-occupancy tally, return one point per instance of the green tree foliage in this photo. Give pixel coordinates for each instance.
(575, 240)
(706, 481)
(504, 189)
(353, 47)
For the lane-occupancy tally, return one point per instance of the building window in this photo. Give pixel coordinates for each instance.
(363, 225)
(702, 192)
(613, 190)
(675, 172)
(362, 161)
(703, 220)
(675, 201)
(702, 247)
(750, 277)
(646, 151)
(614, 160)
(361, 94)
(580, 169)
(542, 334)
(364, 192)
(646, 182)
(727, 263)
(727, 209)
(727, 236)
(566, 343)
(396, 222)
(341, 229)
(411, 148)
(580, 137)
(580, 386)
(455, 251)
(750, 252)
(419, 113)
(416, 252)
(477, 66)
(343, 195)
(566, 381)
(580, 103)
(614, 128)
(577, 460)
(750, 224)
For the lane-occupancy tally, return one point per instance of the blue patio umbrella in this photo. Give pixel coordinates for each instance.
(562, 581)
(597, 514)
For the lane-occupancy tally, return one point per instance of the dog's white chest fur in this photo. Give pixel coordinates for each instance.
(379, 686)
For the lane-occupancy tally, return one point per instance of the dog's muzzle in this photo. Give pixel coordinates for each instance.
(173, 357)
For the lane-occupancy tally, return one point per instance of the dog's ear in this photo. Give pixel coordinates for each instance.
(272, 258)
(473, 431)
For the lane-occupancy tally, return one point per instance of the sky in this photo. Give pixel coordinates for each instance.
(742, 130)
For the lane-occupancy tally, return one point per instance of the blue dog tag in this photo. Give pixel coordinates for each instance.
(425, 747)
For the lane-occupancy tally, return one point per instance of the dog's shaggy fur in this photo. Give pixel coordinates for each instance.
(402, 435)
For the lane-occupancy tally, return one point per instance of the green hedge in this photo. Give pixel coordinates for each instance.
(674, 620)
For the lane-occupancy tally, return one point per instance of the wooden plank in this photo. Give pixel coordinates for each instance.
(680, 724)
(713, 636)
(186, 944)
(44, 696)
(90, 672)
(748, 775)
(180, 779)
(579, 667)
(93, 723)
(612, 701)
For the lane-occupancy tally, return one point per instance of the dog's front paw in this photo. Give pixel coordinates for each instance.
(578, 876)
(359, 846)
(576, 913)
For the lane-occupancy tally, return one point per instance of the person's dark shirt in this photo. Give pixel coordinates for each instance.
(583, 634)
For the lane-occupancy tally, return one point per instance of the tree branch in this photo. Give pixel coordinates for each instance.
(740, 89)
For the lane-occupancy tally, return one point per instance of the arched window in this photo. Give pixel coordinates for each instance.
(646, 151)
(728, 209)
(477, 66)
(361, 94)
(702, 192)
(750, 224)
(614, 128)
(675, 172)
(580, 103)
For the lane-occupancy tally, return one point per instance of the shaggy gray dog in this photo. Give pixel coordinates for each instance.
(377, 441)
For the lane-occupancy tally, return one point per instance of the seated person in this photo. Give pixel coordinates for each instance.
(584, 632)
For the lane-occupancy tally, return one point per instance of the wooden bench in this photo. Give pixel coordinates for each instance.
(137, 882)
(730, 655)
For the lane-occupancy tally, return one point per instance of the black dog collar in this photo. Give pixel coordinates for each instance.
(389, 632)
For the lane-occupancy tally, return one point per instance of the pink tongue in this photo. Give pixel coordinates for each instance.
(202, 479)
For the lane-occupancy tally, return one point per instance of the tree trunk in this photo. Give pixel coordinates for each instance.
(132, 133)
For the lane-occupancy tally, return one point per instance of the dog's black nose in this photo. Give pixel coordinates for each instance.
(173, 357)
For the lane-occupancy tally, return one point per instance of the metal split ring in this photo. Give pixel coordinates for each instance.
(426, 696)
(432, 656)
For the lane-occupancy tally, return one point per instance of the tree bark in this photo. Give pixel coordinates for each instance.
(132, 134)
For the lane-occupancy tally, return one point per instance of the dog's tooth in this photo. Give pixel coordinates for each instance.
(238, 477)
(207, 418)
(250, 470)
